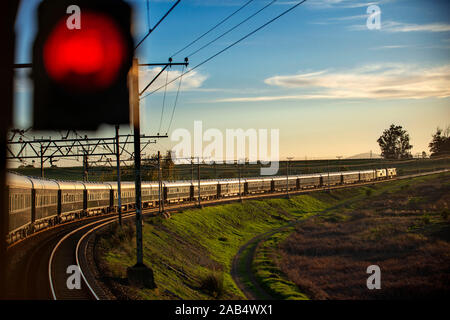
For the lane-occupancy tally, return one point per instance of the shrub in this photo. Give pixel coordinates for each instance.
(426, 219)
(369, 192)
(115, 235)
(213, 284)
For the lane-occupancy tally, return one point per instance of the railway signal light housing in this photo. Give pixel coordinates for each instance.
(81, 58)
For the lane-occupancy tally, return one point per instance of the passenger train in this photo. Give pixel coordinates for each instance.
(35, 203)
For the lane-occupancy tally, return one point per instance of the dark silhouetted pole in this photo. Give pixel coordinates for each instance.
(239, 170)
(42, 161)
(9, 11)
(119, 193)
(139, 275)
(198, 178)
(287, 176)
(134, 98)
(160, 186)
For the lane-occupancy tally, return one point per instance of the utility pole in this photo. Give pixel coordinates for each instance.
(287, 176)
(339, 162)
(239, 170)
(119, 193)
(192, 170)
(328, 170)
(139, 275)
(42, 162)
(9, 11)
(198, 178)
(85, 168)
(160, 187)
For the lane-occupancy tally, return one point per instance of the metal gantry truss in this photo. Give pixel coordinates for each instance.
(22, 147)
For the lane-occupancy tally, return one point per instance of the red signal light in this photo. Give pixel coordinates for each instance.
(86, 59)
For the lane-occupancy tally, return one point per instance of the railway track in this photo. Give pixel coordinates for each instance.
(38, 264)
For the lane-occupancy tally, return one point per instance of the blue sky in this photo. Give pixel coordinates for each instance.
(318, 74)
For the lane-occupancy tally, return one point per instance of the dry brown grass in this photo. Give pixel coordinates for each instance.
(405, 233)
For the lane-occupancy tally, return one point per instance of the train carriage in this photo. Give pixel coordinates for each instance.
(128, 195)
(208, 189)
(307, 181)
(97, 197)
(331, 178)
(177, 191)
(45, 202)
(20, 206)
(350, 177)
(229, 187)
(380, 173)
(150, 194)
(391, 172)
(279, 183)
(254, 185)
(71, 202)
(367, 175)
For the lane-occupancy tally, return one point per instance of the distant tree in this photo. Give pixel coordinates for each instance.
(394, 143)
(424, 155)
(440, 145)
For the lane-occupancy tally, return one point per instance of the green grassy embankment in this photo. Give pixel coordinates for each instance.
(191, 253)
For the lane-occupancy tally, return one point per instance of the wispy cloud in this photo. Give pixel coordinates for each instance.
(390, 47)
(383, 81)
(326, 4)
(394, 26)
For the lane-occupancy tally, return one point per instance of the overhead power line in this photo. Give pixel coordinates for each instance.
(228, 47)
(213, 28)
(164, 102)
(176, 101)
(157, 24)
(233, 28)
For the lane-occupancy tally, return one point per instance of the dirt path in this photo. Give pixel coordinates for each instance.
(250, 286)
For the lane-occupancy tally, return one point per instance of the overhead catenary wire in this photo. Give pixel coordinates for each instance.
(230, 46)
(176, 101)
(148, 15)
(157, 24)
(213, 28)
(164, 102)
(233, 28)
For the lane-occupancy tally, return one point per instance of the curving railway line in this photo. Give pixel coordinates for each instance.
(38, 263)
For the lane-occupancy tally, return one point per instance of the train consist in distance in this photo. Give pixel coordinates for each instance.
(35, 204)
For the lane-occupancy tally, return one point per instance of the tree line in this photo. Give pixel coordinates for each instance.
(394, 143)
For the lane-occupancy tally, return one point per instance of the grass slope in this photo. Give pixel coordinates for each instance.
(191, 253)
(399, 225)
(195, 245)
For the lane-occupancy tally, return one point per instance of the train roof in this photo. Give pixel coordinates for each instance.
(44, 184)
(123, 185)
(207, 182)
(284, 177)
(149, 184)
(177, 183)
(257, 179)
(96, 186)
(367, 171)
(226, 181)
(18, 181)
(309, 175)
(71, 185)
(331, 174)
(349, 172)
